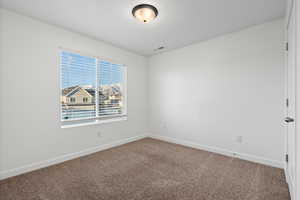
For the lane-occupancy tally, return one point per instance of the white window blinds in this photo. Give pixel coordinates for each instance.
(90, 87)
(110, 88)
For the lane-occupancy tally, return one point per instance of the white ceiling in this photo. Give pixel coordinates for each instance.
(179, 22)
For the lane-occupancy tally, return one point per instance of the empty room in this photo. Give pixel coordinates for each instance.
(150, 100)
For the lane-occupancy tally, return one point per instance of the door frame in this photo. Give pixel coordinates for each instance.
(297, 180)
(294, 188)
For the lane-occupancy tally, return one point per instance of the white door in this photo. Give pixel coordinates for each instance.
(291, 98)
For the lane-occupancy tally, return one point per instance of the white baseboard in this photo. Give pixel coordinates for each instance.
(63, 158)
(290, 184)
(242, 156)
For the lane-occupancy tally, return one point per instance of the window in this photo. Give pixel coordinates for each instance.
(91, 88)
(72, 99)
(85, 99)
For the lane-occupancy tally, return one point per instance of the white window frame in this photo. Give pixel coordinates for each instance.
(97, 119)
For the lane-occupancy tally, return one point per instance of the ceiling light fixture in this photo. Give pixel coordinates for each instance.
(145, 12)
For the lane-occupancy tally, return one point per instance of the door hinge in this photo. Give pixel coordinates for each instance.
(287, 102)
(286, 158)
(287, 46)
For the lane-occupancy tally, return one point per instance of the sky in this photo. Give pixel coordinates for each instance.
(81, 70)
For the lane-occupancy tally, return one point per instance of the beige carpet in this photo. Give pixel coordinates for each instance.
(150, 169)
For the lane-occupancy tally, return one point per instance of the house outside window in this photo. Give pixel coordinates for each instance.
(91, 88)
(72, 99)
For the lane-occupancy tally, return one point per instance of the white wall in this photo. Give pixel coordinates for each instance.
(30, 126)
(214, 91)
(208, 93)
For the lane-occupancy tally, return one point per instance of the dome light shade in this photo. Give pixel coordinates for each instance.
(145, 12)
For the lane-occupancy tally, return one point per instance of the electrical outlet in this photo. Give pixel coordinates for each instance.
(99, 134)
(239, 139)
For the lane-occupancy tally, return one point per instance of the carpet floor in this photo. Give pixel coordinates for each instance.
(149, 169)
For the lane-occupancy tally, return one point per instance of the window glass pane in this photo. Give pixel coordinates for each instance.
(78, 80)
(110, 82)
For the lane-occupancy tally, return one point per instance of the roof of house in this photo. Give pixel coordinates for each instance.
(91, 91)
(67, 90)
(114, 90)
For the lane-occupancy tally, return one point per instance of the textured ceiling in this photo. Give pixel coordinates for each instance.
(179, 23)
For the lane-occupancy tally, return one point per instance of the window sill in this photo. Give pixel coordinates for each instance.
(73, 124)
